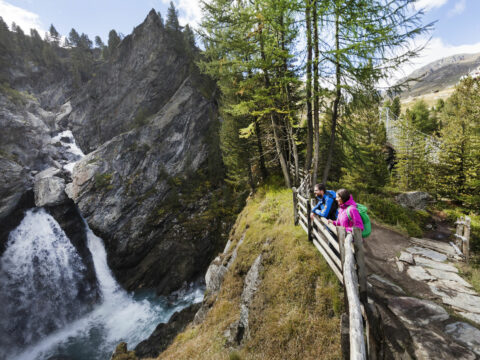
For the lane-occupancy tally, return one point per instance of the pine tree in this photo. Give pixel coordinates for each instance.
(74, 38)
(365, 139)
(172, 18)
(396, 107)
(54, 35)
(113, 41)
(365, 35)
(459, 165)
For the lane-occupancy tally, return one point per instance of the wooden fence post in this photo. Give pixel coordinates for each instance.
(295, 206)
(360, 260)
(350, 281)
(466, 235)
(309, 220)
(459, 232)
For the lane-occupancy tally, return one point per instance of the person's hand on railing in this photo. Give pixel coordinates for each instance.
(312, 215)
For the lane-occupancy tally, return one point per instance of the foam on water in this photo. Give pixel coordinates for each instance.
(120, 317)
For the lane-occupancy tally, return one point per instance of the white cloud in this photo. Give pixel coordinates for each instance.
(429, 4)
(25, 19)
(458, 8)
(189, 11)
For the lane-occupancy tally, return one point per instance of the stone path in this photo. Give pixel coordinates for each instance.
(421, 299)
(439, 273)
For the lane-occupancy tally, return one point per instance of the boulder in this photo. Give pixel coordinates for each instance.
(164, 334)
(14, 182)
(49, 189)
(416, 200)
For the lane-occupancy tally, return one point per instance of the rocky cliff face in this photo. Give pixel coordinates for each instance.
(149, 193)
(145, 71)
(152, 181)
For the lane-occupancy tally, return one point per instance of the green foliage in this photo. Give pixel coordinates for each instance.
(386, 210)
(459, 165)
(172, 18)
(396, 107)
(103, 181)
(421, 119)
(365, 138)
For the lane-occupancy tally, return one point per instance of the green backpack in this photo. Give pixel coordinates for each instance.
(367, 225)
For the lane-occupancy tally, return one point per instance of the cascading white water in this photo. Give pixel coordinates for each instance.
(120, 317)
(41, 275)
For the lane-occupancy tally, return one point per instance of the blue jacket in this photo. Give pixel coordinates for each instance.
(324, 203)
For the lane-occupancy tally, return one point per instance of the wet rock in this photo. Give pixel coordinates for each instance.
(416, 200)
(13, 184)
(49, 189)
(164, 334)
(465, 333)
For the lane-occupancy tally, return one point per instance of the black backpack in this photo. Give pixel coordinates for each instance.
(332, 214)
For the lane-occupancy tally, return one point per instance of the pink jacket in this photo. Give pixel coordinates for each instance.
(342, 219)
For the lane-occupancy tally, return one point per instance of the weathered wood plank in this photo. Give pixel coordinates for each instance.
(360, 261)
(304, 218)
(302, 199)
(330, 226)
(466, 235)
(357, 343)
(456, 249)
(295, 206)
(324, 244)
(328, 260)
(329, 236)
(303, 225)
(303, 207)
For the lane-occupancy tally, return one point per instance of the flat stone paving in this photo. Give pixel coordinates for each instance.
(433, 268)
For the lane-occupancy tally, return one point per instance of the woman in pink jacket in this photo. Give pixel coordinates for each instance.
(346, 207)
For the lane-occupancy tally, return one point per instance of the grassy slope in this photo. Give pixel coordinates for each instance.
(294, 314)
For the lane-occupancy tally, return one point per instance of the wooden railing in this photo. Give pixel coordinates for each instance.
(462, 237)
(344, 254)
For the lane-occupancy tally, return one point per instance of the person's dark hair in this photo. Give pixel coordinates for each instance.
(344, 194)
(321, 187)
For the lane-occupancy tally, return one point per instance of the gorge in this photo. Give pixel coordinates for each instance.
(142, 211)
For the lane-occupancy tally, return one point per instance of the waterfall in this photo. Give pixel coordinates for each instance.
(119, 317)
(41, 275)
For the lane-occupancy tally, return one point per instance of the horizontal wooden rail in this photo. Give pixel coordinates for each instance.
(344, 255)
(357, 342)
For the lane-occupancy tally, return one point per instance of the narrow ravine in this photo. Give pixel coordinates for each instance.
(42, 277)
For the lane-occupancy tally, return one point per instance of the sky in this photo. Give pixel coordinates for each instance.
(457, 28)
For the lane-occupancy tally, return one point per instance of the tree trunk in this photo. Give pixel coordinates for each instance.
(263, 168)
(336, 102)
(315, 93)
(308, 160)
(278, 144)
